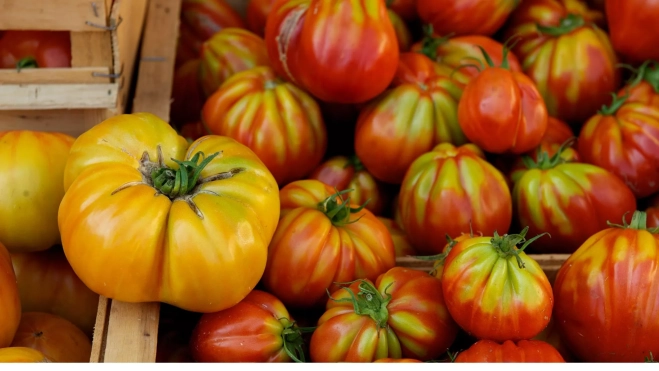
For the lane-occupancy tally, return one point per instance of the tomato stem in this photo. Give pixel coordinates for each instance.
(639, 222)
(648, 71)
(27, 62)
(615, 105)
(368, 302)
(339, 210)
(430, 42)
(354, 162)
(506, 245)
(292, 339)
(568, 24)
(543, 161)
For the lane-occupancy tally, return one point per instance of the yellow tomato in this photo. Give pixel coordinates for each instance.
(31, 181)
(22, 355)
(145, 218)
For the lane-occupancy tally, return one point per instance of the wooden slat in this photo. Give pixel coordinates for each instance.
(72, 122)
(132, 333)
(55, 15)
(57, 96)
(91, 49)
(100, 330)
(54, 76)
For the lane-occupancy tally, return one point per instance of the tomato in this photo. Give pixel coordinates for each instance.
(403, 34)
(325, 238)
(35, 49)
(406, 9)
(10, 304)
(257, 15)
(197, 241)
(22, 355)
(258, 329)
(653, 212)
(607, 295)
(31, 173)
(439, 259)
(452, 190)
(58, 339)
(343, 172)
(281, 123)
(568, 57)
(193, 131)
(47, 283)
(623, 138)
(525, 351)
(571, 201)
(465, 17)
(402, 245)
(644, 86)
(399, 360)
(402, 316)
(551, 336)
(187, 96)
(419, 112)
(201, 19)
(494, 291)
(501, 111)
(634, 33)
(339, 51)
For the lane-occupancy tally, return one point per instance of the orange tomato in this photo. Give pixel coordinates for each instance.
(10, 304)
(465, 17)
(21, 355)
(402, 245)
(633, 29)
(525, 351)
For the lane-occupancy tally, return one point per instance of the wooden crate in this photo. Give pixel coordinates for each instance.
(105, 37)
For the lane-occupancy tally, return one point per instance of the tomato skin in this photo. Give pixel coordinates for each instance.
(632, 27)
(57, 338)
(653, 212)
(189, 256)
(228, 52)
(525, 351)
(626, 143)
(281, 123)
(49, 49)
(257, 15)
(187, 96)
(465, 17)
(307, 241)
(405, 122)
(400, 360)
(418, 325)
(402, 245)
(606, 296)
(406, 9)
(201, 19)
(491, 297)
(342, 172)
(502, 112)
(47, 283)
(193, 131)
(442, 193)
(10, 304)
(250, 331)
(339, 51)
(403, 34)
(31, 175)
(552, 336)
(574, 70)
(22, 355)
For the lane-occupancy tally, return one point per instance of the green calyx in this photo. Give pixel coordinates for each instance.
(338, 210)
(27, 62)
(507, 46)
(650, 359)
(439, 259)
(293, 341)
(544, 161)
(648, 72)
(615, 105)
(175, 183)
(568, 24)
(506, 245)
(369, 302)
(639, 222)
(430, 42)
(355, 163)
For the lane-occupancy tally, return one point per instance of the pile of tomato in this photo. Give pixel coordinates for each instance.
(322, 153)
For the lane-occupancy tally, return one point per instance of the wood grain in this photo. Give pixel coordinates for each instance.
(91, 49)
(72, 122)
(55, 15)
(54, 76)
(57, 96)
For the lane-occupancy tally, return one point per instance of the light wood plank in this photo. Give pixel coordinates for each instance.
(100, 330)
(132, 332)
(60, 15)
(57, 96)
(54, 76)
(72, 122)
(91, 49)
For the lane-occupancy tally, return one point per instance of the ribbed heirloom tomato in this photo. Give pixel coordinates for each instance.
(403, 34)
(256, 15)
(147, 217)
(607, 295)
(402, 245)
(402, 316)
(653, 213)
(30, 49)
(323, 238)
(406, 9)
(633, 29)
(644, 86)
(340, 51)
(277, 120)
(466, 17)
(22, 355)
(10, 304)
(449, 191)
(525, 351)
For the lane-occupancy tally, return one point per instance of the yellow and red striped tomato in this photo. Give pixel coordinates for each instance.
(449, 191)
(228, 52)
(31, 173)
(406, 9)
(325, 238)
(410, 119)
(623, 138)
(607, 295)
(256, 15)
(281, 123)
(192, 131)
(10, 304)
(644, 86)
(494, 291)
(525, 351)
(399, 360)
(22, 355)
(633, 28)
(343, 172)
(136, 229)
(466, 17)
(552, 336)
(403, 34)
(402, 245)
(568, 57)
(201, 19)
(340, 51)
(187, 96)
(653, 212)
(402, 316)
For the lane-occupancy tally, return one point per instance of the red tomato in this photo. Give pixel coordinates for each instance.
(568, 57)
(525, 351)
(326, 239)
(228, 52)
(402, 245)
(653, 213)
(402, 316)
(342, 172)
(501, 111)
(257, 15)
(403, 34)
(449, 191)
(40, 49)
(187, 96)
(551, 336)
(623, 138)
(644, 86)
(258, 329)
(633, 28)
(406, 9)
(10, 304)
(399, 360)
(193, 131)
(281, 123)
(465, 17)
(440, 259)
(340, 51)
(607, 295)
(201, 19)
(494, 291)
(419, 112)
